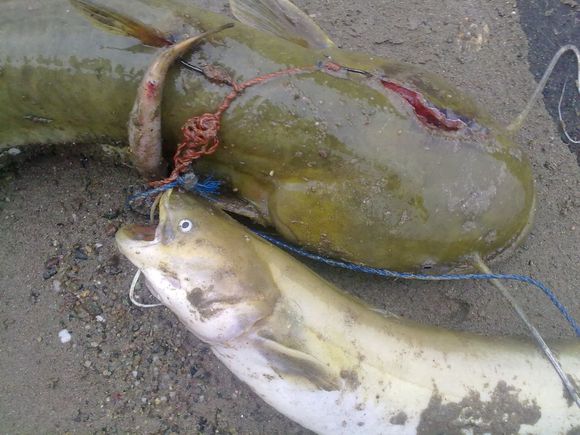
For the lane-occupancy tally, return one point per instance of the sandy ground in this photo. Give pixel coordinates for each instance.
(132, 370)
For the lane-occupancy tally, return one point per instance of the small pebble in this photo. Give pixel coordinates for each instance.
(64, 336)
(81, 255)
(49, 273)
(14, 152)
(112, 214)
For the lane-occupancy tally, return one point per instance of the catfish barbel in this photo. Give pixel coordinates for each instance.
(327, 360)
(398, 170)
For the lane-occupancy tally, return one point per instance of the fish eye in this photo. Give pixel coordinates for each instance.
(185, 225)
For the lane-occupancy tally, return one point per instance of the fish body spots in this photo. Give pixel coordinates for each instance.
(503, 413)
(350, 378)
(204, 302)
(351, 318)
(151, 89)
(195, 297)
(399, 419)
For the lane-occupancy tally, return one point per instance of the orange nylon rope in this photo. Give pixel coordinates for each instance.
(200, 133)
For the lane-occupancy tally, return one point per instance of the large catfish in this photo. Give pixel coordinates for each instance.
(350, 370)
(394, 168)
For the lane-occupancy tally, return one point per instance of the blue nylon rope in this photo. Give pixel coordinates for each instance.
(190, 182)
(421, 277)
(210, 187)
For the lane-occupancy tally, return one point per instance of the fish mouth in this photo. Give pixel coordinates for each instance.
(139, 233)
(133, 238)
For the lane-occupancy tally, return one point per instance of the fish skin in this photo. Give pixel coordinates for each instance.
(380, 188)
(351, 370)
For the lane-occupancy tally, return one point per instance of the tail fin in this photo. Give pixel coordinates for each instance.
(119, 24)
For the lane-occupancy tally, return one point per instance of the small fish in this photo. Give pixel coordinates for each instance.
(327, 360)
(145, 119)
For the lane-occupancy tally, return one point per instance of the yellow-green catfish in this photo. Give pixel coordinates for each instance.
(325, 359)
(388, 166)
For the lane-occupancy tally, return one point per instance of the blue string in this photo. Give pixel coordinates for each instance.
(403, 275)
(210, 186)
(189, 181)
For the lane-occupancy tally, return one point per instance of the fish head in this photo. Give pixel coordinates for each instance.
(203, 266)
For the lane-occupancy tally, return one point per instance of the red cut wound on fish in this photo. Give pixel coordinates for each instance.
(425, 112)
(332, 66)
(151, 89)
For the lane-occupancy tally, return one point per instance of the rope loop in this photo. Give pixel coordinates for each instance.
(201, 133)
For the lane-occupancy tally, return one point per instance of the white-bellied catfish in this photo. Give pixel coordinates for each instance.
(378, 162)
(350, 370)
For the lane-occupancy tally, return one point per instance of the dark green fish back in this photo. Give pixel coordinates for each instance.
(338, 164)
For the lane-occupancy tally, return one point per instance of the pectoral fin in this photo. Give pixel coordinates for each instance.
(283, 19)
(119, 24)
(298, 366)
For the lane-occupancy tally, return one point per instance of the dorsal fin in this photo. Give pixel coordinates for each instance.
(119, 24)
(283, 19)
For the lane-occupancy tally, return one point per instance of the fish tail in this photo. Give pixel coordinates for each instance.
(119, 24)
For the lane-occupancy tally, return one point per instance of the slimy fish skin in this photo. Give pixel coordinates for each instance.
(397, 169)
(327, 360)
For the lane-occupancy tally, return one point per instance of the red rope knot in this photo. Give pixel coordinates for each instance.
(201, 134)
(200, 138)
